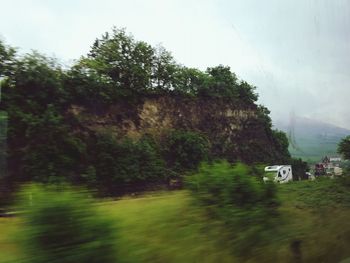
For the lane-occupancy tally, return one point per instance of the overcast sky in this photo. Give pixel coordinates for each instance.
(297, 52)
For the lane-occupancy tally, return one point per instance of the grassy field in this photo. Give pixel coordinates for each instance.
(166, 227)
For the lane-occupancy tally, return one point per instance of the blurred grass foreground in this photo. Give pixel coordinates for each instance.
(226, 215)
(62, 225)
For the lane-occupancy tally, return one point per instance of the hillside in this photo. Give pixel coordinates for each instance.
(234, 130)
(311, 139)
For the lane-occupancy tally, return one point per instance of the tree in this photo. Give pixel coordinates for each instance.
(263, 116)
(47, 141)
(246, 92)
(344, 147)
(119, 66)
(36, 83)
(184, 150)
(130, 67)
(164, 69)
(222, 83)
(41, 143)
(91, 89)
(280, 145)
(190, 81)
(51, 152)
(7, 59)
(125, 163)
(121, 60)
(299, 168)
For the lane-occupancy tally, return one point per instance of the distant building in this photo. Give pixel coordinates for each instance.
(331, 162)
(335, 159)
(332, 165)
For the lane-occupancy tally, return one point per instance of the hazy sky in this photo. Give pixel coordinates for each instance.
(297, 52)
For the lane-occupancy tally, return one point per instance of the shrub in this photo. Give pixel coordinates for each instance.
(299, 168)
(184, 150)
(344, 147)
(62, 225)
(120, 164)
(240, 199)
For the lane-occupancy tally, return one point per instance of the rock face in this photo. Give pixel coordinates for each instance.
(233, 130)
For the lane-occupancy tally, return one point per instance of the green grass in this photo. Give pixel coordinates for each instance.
(317, 214)
(166, 227)
(8, 249)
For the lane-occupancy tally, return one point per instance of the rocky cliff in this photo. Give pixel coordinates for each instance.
(235, 131)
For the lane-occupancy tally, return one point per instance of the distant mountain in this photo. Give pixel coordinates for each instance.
(311, 139)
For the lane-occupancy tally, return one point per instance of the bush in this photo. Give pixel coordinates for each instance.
(240, 199)
(344, 147)
(184, 150)
(123, 164)
(299, 168)
(62, 225)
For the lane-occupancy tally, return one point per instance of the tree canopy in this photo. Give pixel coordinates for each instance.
(126, 67)
(46, 142)
(344, 147)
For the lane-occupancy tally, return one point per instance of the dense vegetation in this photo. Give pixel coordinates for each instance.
(312, 226)
(46, 144)
(184, 150)
(62, 225)
(344, 147)
(238, 196)
(227, 215)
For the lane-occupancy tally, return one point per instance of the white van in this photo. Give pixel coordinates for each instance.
(278, 173)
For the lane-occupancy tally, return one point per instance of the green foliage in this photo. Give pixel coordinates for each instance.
(240, 199)
(239, 186)
(184, 150)
(189, 81)
(299, 168)
(91, 90)
(246, 93)
(51, 151)
(220, 82)
(36, 83)
(131, 67)
(46, 142)
(41, 144)
(263, 114)
(320, 193)
(7, 59)
(166, 227)
(121, 164)
(164, 70)
(259, 143)
(62, 225)
(280, 143)
(120, 66)
(344, 147)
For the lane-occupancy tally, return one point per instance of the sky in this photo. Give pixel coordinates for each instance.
(296, 52)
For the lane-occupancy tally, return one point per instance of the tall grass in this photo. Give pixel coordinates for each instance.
(241, 200)
(61, 224)
(168, 227)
